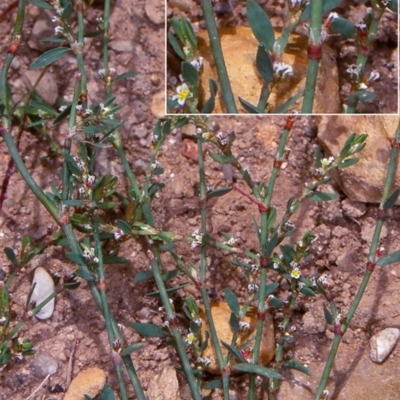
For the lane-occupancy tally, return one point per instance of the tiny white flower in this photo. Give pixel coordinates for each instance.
(58, 30)
(354, 71)
(282, 70)
(244, 326)
(374, 76)
(59, 10)
(197, 63)
(295, 273)
(62, 108)
(182, 94)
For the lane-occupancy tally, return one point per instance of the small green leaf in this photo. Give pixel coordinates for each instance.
(131, 348)
(115, 260)
(321, 196)
(124, 226)
(232, 301)
(348, 162)
(220, 158)
(260, 24)
(107, 393)
(218, 192)
(270, 288)
(205, 342)
(328, 316)
(11, 255)
(64, 114)
(50, 56)
(76, 258)
(344, 27)
(190, 74)
(258, 369)
(41, 4)
(234, 352)
(289, 103)
(389, 203)
(271, 245)
(151, 330)
(175, 45)
(307, 291)
(294, 364)
(389, 259)
(125, 75)
(234, 323)
(210, 103)
(215, 384)
(276, 303)
(264, 64)
(43, 107)
(248, 106)
(93, 129)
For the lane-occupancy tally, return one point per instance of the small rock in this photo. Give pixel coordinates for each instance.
(164, 386)
(158, 105)
(383, 343)
(122, 46)
(47, 87)
(43, 365)
(44, 288)
(90, 381)
(183, 5)
(155, 11)
(43, 28)
(363, 181)
(221, 314)
(353, 209)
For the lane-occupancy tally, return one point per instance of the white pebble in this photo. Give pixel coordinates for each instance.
(383, 343)
(44, 288)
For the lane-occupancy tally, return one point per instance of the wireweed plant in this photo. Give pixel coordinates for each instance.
(320, 21)
(84, 204)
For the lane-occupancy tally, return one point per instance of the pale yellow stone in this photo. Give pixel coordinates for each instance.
(221, 314)
(239, 47)
(90, 381)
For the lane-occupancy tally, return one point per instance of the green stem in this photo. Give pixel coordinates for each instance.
(212, 30)
(33, 186)
(31, 313)
(314, 55)
(172, 319)
(203, 270)
(106, 35)
(106, 310)
(340, 329)
(131, 177)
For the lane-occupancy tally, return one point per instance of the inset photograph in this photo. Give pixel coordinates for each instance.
(277, 56)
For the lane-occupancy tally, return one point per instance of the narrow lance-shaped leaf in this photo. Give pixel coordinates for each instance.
(49, 57)
(264, 64)
(260, 24)
(389, 259)
(389, 203)
(149, 330)
(294, 364)
(234, 352)
(328, 316)
(259, 370)
(321, 196)
(232, 301)
(250, 108)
